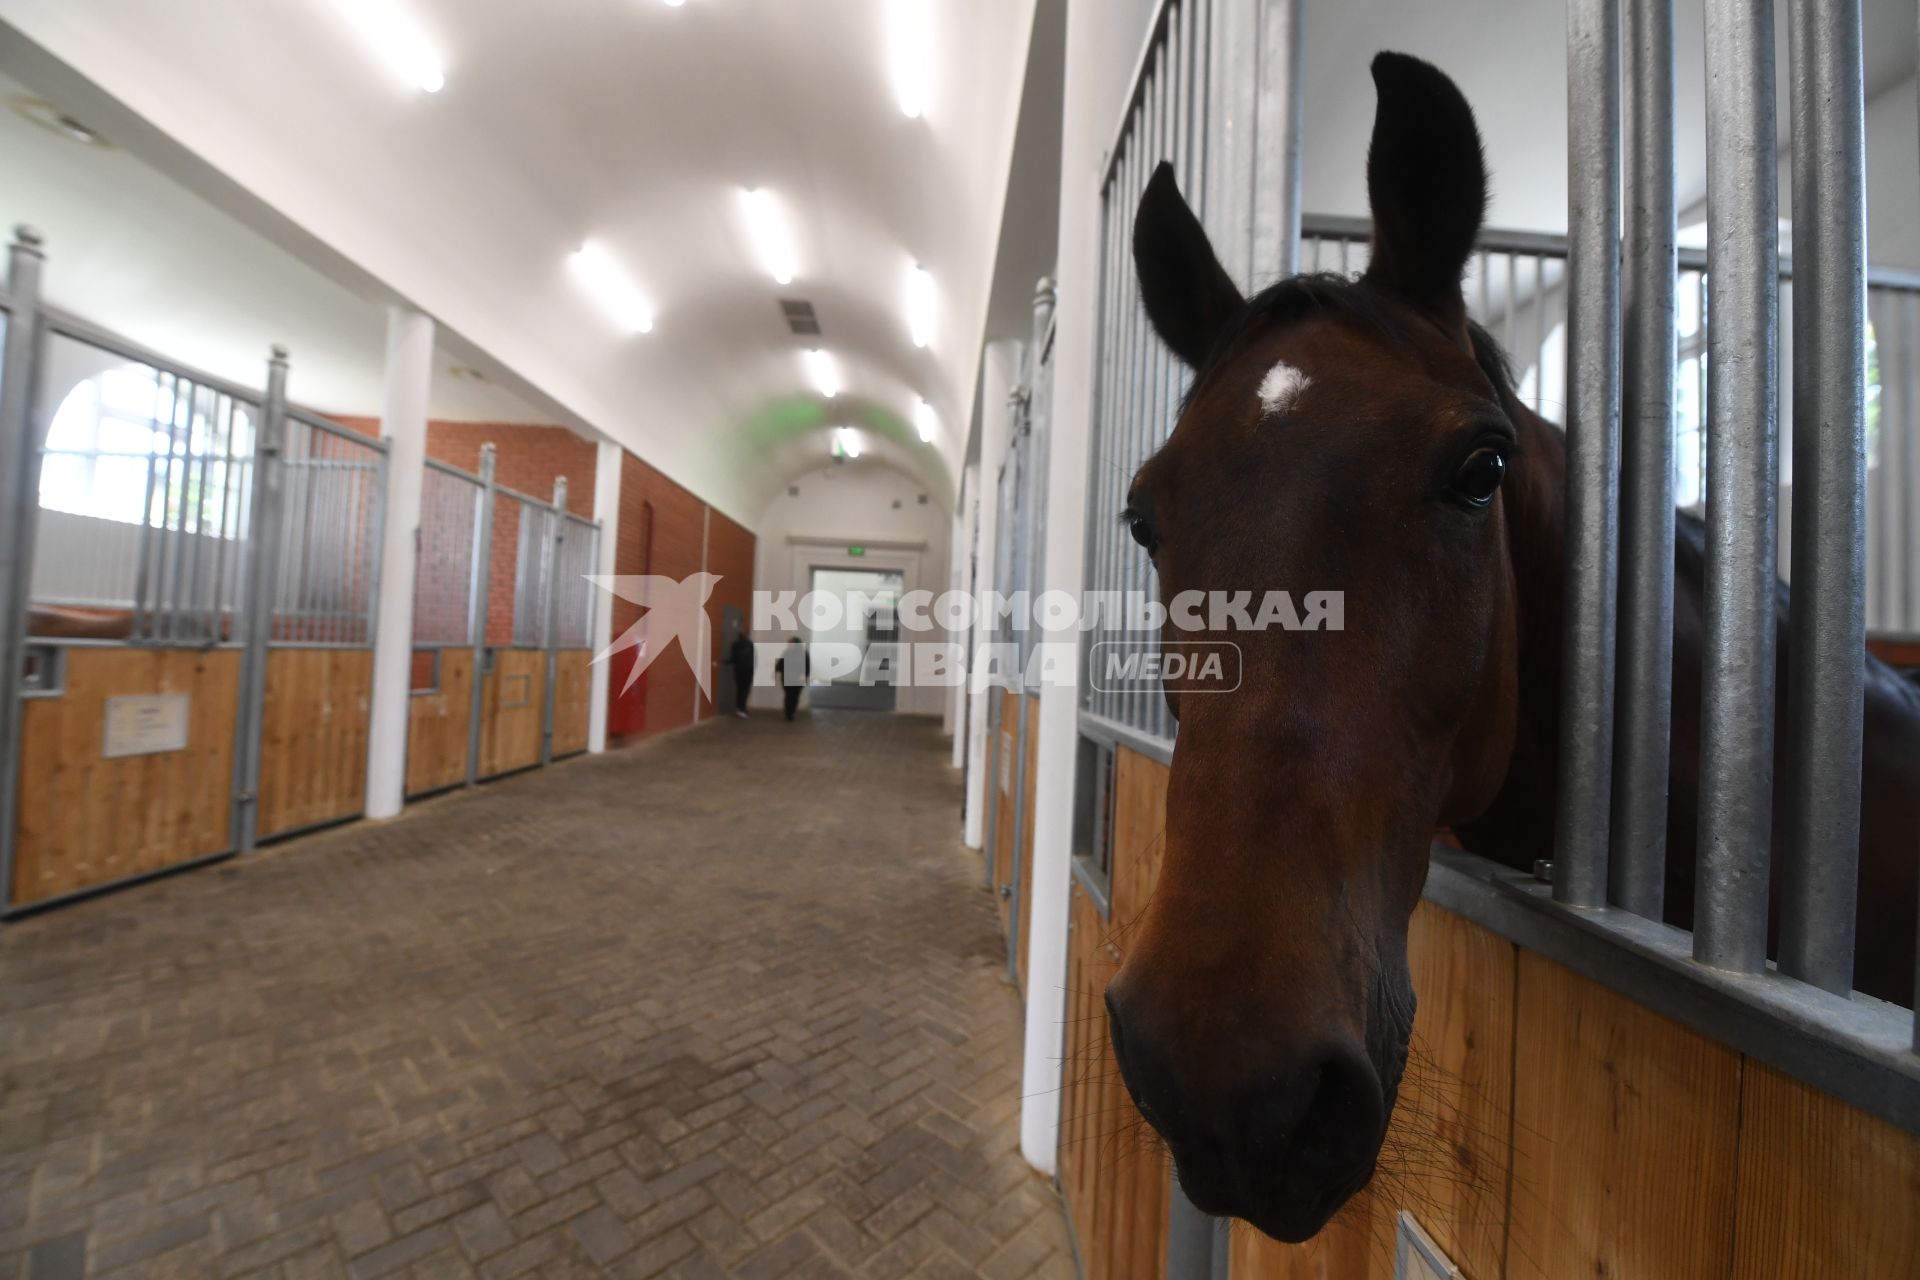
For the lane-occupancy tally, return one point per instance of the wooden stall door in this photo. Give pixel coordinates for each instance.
(572, 692)
(87, 819)
(313, 737)
(511, 698)
(1113, 1173)
(437, 722)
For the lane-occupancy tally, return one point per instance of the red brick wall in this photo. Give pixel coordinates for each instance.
(663, 697)
(528, 459)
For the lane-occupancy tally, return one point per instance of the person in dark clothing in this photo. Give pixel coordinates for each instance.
(792, 670)
(740, 658)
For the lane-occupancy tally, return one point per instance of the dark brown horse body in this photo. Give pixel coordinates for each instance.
(1363, 437)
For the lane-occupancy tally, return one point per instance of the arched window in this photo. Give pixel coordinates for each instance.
(132, 442)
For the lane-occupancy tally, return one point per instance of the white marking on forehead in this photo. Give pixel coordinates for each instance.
(1281, 387)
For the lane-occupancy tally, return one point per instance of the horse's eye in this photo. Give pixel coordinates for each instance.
(1142, 531)
(1479, 477)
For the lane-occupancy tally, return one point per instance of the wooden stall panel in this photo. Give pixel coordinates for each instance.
(437, 726)
(86, 819)
(313, 737)
(1824, 1189)
(1112, 1169)
(572, 694)
(511, 698)
(1624, 1134)
(1025, 889)
(1446, 1157)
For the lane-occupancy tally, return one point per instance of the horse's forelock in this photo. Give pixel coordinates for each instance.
(1295, 298)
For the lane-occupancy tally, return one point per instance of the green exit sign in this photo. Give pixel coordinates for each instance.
(856, 551)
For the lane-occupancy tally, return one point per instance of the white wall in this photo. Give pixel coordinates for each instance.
(1103, 42)
(862, 504)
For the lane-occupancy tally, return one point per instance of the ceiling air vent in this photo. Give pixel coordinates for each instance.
(799, 316)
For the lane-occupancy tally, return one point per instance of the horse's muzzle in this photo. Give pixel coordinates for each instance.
(1283, 1148)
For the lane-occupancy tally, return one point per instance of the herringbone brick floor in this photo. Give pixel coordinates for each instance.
(728, 1004)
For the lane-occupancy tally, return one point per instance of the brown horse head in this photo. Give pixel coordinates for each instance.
(1344, 436)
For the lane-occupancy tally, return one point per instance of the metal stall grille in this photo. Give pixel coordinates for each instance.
(144, 495)
(445, 580)
(573, 587)
(1215, 95)
(535, 527)
(333, 487)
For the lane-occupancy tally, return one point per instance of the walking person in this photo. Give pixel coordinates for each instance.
(791, 671)
(741, 658)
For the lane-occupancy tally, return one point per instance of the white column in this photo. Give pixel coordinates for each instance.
(403, 424)
(1099, 56)
(962, 580)
(956, 556)
(606, 509)
(1000, 363)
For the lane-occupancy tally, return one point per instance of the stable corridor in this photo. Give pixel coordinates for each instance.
(731, 1003)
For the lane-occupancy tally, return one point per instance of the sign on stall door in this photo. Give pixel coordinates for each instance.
(146, 724)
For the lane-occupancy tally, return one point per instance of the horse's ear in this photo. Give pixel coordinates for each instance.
(1427, 183)
(1188, 294)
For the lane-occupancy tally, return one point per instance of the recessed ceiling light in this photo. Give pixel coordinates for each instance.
(611, 288)
(909, 38)
(849, 442)
(54, 120)
(920, 306)
(923, 419)
(675, 4)
(397, 39)
(823, 371)
(768, 229)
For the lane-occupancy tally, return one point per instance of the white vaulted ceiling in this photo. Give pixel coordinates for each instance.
(633, 123)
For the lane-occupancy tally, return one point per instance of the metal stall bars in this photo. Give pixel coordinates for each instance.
(1736, 730)
(1827, 640)
(317, 626)
(449, 587)
(1718, 980)
(1593, 410)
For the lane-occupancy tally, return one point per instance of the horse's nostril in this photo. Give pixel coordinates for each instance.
(1338, 1131)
